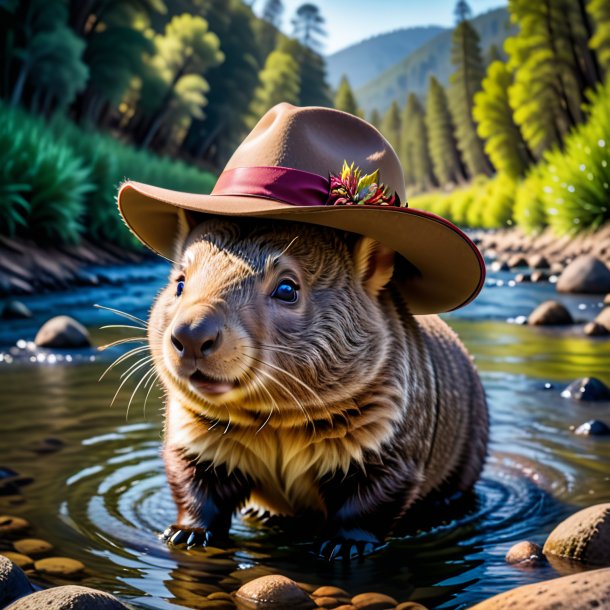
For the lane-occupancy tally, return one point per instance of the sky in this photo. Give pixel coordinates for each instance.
(350, 21)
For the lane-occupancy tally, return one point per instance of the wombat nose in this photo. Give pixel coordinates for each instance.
(197, 339)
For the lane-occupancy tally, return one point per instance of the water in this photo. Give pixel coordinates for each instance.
(103, 497)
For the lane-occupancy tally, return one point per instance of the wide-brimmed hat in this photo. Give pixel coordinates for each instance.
(330, 168)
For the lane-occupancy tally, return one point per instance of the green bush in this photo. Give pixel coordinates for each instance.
(497, 209)
(576, 181)
(58, 182)
(529, 211)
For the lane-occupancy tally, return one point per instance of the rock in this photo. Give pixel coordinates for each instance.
(374, 601)
(331, 592)
(12, 525)
(550, 313)
(518, 260)
(539, 276)
(585, 536)
(587, 388)
(62, 332)
(22, 561)
(593, 427)
(13, 582)
(410, 606)
(585, 274)
(346, 607)
(593, 329)
(69, 597)
(63, 567)
(607, 299)
(523, 278)
(582, 591)
(15, 310)
(327, 602)
(538, 261)
(603, 318)
(46, 445)
(32, 546)
(525, 553)
(499, 266)
(274, 591)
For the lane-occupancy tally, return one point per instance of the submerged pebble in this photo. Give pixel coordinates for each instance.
(60, 566)
(525, 553)
(12, 525)
(32, 546)
(374, 601)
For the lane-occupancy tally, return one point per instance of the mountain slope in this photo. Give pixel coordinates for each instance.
(411, 74)
(363, 61)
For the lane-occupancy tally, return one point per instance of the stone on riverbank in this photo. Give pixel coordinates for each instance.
(603, 318)
(538, 261)
(62, 332)
(15, 310)
(587, 388)
(593, 427)
(63, 567)
(272, 591)
(574, 592)
(550, 313)
(32, 546)
(13, 582)
(594, 329)
(69, 597)
(584, 536)
(525, 553)
(12, 525)
(374, 601)
(586, 274)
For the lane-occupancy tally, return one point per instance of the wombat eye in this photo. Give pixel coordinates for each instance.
(286, 291)
(179, 288)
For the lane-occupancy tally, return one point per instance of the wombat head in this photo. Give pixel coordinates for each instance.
(270, 320)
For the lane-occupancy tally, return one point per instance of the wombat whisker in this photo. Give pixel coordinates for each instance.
(151, 384)
(123, 357)
(274, 348)
(124, 314)
(274, 405)
(140, 364)
(122, 326)
(128, 371)
(121, 342)
(144, 377)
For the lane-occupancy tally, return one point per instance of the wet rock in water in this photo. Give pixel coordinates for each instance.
(13, 582)
(499, 266)
(607, 299)
(272, 591)
(525, 553)
(62, 332)
(523, 278)
(69, 597)
(410, 606)
(593, 427)
(60, 566)
(603, 318)
(585, 536)
(12, 525)
(586, 274)
(46, 445)
(594, 329)
(15, 310)
(330, 597)
(22, 561)
(539, 276)
(550, 313)
(582, 591)
(374, 601)
(587, 388)
(518, 260)
(538, 261)
(330, 603)
(32, 546)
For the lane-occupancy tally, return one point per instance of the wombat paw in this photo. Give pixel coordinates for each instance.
(176, 535)
(348, 544)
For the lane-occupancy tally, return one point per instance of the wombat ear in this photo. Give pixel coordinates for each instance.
(374, 264)
(185, 223)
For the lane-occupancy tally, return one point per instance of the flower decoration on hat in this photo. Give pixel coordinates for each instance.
(353, 188)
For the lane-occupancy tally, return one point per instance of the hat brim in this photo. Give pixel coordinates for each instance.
(451, 269)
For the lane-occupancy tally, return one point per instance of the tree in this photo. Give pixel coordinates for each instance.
(465, 82)
(279, 82)
(599, 10)
(186, 47)
(462, 11)
(391, 125)
(273, 12)
(441, 140)
(503, 140)
(344, 98)
(414, 146)
(308, 26)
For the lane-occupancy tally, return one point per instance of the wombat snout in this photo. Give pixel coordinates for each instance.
(199, 338)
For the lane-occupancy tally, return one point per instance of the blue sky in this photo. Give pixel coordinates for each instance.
(349, 21)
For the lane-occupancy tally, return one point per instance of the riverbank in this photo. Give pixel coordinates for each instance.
(29, 268)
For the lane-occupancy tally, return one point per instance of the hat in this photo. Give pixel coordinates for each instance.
(329, 168)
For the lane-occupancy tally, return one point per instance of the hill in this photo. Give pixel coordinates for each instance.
(365, 60)
(433, 58)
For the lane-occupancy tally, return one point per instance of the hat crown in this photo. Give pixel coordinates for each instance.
(319, 140)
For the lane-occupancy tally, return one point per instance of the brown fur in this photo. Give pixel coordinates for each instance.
(344, 388)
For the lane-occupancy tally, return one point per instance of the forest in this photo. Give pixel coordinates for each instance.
(161, 91)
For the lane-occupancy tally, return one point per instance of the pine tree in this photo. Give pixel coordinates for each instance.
(465, 82)
(375, 118)
(390, 126)
(503, 140)
(308, 26)
(599, 10)
(414, 146)
(273, 12)
(441, 140)
(344, 98)
(279, 82)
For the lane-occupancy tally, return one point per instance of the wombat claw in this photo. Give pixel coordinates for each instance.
(188, 536)
(347, 548)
